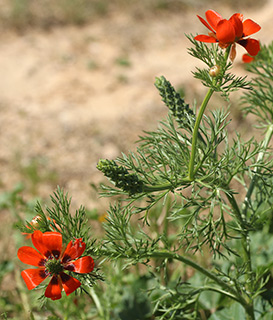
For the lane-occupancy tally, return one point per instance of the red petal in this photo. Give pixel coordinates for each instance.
(82, 265)
(213, 18)
(37, 240)
(48, 243)
(205, 23)
(236, 21)
(247, 58)
(250, 27)
(73, 250)
(204, 38)
(30, 256)
(54, 288)
(225, 32)
(27, 235)
(69, 283)
(252, 46)
(33, 277)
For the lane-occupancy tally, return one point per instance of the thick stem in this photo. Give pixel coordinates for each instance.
(250, 312)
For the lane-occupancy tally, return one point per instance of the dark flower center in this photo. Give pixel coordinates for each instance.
(54, 266)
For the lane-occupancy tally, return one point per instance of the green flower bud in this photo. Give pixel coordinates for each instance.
(128, 182)
(179, 109)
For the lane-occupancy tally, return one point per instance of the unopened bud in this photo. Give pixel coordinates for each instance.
(214, 71)
(128, 182)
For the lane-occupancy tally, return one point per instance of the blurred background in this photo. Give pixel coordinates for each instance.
(76, 85)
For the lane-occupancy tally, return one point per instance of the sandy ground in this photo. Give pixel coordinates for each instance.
(73, 95)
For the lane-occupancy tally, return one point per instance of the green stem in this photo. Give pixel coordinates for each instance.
(199, 118)
(249, 308)
(232, 293)
(245, 238)
(235, 208)
(23, 296)
(242, 219)
(166, 186)
(221, 291)
(97, 302)
(183, 182)
(195, 132)
(166, 218)
(260, 157)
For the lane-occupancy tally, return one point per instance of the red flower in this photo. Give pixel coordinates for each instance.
(229, 32)
(52, 260)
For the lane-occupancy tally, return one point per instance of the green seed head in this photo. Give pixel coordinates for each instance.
(54, 266)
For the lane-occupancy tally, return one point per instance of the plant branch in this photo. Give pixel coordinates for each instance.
(260, 157)
(171, 255)
(200, 115)
(195, 132)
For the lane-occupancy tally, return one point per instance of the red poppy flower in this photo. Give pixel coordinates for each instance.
(52, 260)
(229, 32)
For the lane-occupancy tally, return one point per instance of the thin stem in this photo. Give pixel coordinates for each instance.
(195, 131)
(260, 157)
(235, 208)
(199, 118)
(166, 234)
(232, 293)
(231, 296)
(249, 308)
(198, 267)
(97, 302)
(166, 218)
(245, 238)
(24, 297)
(92, 294)
(166, 186)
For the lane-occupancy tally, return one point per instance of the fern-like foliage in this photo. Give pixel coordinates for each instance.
(259, 100)
(225, 82)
